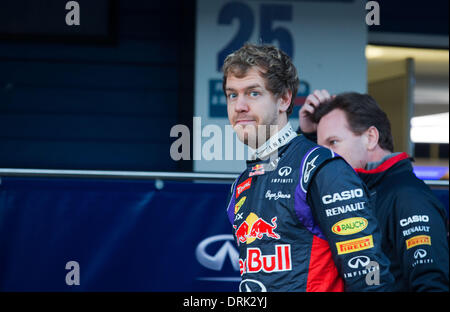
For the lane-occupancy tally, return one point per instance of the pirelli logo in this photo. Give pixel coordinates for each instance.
(418, 240)
(354, 245)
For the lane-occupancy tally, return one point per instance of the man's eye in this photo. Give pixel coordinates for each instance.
(254, 93)
(333, 142)
(232, 95)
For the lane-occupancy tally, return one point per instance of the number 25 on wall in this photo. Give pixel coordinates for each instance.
(269, 13)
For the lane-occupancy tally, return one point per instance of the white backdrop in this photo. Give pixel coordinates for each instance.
(326, 40)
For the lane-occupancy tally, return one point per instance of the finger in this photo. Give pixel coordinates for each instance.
(322, 98)
(326, 94)
(309, 109)
(312, 100)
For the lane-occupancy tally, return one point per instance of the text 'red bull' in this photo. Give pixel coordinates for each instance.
(255, 261)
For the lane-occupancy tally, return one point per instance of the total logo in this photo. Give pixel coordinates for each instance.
(256, 261)
(255, 228)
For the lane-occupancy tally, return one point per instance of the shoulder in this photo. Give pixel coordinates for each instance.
(236, 181)
(408, 193)
(312, 161)
(404, 185)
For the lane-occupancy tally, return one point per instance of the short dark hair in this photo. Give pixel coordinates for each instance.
(362, 112)
(277, 68)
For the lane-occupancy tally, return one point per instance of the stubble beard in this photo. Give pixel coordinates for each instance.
(256, 135)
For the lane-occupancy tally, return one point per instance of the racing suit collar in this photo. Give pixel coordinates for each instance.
(281, 138)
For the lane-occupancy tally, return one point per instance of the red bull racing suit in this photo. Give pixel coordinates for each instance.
(302, 222)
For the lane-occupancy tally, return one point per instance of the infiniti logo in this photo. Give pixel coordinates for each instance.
(215, 262)
(250, 285)
(358, 261)
(284, 171)
(420, 253)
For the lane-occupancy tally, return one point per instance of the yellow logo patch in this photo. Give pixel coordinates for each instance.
(349, 226)
(239, 204)
(418, 240)
(353, 245)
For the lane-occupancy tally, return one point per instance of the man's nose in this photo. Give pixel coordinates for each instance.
(241, 104)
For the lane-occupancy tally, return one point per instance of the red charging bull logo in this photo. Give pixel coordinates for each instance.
(257, 167)
(255, 228)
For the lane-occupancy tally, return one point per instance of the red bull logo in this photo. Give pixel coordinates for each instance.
(257, 170)
(257, 167)
(255, 228)
(256, 261)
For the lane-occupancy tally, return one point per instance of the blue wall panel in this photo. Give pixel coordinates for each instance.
(125, 235)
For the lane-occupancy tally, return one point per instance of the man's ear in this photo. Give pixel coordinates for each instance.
(285, 101)
(373, 136)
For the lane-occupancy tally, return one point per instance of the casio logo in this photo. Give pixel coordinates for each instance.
(414, 219)
(329, 199)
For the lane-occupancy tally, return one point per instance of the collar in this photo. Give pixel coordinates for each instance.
(375, 164)
(282, 137)
(387, 162)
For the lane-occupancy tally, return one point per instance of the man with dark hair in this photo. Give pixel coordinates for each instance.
(414, 234)
(301, 216)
